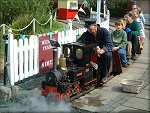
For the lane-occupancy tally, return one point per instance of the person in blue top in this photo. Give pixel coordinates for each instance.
(102, 39)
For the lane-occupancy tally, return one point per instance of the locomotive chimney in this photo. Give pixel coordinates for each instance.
(54, 58)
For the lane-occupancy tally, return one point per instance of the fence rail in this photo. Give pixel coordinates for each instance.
(33, 22)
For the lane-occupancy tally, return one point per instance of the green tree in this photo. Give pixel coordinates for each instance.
(118, 8)
(11, 9)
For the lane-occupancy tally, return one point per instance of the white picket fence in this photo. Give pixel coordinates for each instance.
(22, 58)
(23, 55)
(71, 36)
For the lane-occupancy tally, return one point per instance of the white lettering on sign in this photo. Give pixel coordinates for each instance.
(47, 47)
(46, 63)
(45, 42)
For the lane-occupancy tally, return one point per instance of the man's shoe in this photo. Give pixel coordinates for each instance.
(104, 80)
(133, 57)
(125, 65)
(99, 85)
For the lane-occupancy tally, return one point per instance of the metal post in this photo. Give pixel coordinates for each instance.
(104, 8)
(5, 62)
(33, 25)
(5, 37)
(98, 11)
(54, 58)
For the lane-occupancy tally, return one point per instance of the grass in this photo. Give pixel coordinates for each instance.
(45, 29)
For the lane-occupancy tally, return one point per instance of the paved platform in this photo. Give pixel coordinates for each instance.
(110, 98)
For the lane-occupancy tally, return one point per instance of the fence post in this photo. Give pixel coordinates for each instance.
(70, 24)
(3, 29)
(33, 25)
(108, 17)
(10, 58)
(51, 19)
(98, 11)
(55, 15)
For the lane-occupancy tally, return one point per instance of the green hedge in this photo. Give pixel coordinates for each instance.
(11, 9)
(117, 8)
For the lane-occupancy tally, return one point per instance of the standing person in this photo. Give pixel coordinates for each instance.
(102, 38)
(119, 38)
(135, 31)
(129, 37)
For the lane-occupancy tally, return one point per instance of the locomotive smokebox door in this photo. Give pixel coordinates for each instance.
(53, 77)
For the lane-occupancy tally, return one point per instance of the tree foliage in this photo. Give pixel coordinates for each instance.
(11, 9)
(19, 13)
(117, 8)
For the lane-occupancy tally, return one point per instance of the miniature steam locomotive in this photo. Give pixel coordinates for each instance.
(79, 73)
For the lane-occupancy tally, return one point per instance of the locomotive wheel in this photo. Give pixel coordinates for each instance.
(76, 88)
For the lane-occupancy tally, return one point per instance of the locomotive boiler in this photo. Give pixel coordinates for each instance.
(79, 73)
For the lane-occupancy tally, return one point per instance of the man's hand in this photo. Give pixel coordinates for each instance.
(115, 48)
(100, 51)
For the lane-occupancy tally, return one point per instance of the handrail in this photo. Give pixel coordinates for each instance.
(33, 20)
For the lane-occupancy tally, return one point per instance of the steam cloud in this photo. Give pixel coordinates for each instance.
(38, 103)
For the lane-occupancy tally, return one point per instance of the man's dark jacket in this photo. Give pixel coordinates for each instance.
(103, 39)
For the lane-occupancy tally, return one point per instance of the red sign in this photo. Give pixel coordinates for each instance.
(46, 53)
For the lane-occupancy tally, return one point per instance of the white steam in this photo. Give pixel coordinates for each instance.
(38, 103)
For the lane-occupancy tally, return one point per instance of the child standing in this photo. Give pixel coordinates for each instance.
(119, 38)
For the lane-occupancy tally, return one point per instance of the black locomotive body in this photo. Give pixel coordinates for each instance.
(78, 75)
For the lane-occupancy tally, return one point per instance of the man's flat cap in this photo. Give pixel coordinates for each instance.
(89, 22)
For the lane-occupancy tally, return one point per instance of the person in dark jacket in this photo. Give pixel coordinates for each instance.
(103, 42)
